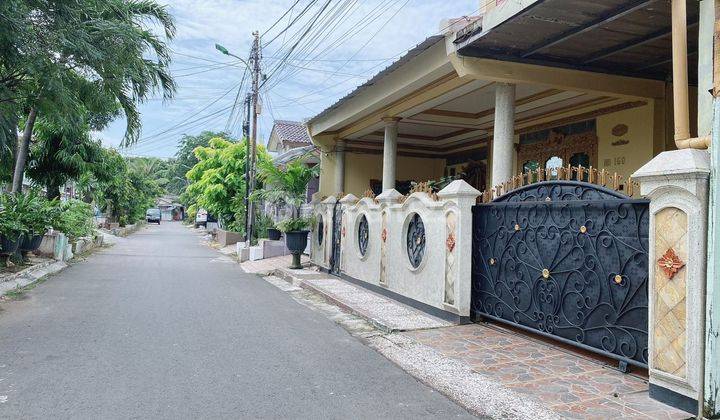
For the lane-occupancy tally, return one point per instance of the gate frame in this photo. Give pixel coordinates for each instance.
(336, 244)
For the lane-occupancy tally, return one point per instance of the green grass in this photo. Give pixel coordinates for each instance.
(19, 293)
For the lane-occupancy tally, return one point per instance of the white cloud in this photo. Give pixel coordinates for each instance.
(202, 23)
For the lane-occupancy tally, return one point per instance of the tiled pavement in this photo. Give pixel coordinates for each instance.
(572, 385)
(270, 264)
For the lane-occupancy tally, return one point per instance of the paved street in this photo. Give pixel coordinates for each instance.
(159, 326)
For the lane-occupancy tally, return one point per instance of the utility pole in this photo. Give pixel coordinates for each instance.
(246, 136)
(251, 102)
(255, 56)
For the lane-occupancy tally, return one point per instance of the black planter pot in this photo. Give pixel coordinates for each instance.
(273, 234)
(9, 245)
(30, 243)
(296, 241)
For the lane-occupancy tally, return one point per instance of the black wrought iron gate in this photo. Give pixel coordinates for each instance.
(336, 239)
(568, 260)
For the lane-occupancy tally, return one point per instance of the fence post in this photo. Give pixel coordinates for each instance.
(677, 184)
(458, 245)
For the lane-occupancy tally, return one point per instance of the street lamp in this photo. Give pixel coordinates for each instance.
(249, 143)
(228, 53)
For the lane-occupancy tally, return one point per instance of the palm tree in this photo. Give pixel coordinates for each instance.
(109, 43)
(285, 185)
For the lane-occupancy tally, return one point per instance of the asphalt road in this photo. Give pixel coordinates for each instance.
(159, 326)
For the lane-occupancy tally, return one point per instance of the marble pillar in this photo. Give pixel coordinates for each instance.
(390, 153)
(504, 134)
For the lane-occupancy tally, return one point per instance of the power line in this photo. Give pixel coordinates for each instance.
(152, 136)
(280, 18)
(302, 12)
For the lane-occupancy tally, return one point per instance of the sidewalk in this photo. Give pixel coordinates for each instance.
(269, 265)
(485, 367)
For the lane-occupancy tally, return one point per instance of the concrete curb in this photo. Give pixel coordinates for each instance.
(31, 275)
(298, 281)
(480, 395)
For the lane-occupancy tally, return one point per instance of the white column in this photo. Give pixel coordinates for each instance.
(340, 166)
(504, 134)
(390, 153)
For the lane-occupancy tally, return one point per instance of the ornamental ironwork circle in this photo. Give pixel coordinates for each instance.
(416, 240)
(320, 230)
(363, 235)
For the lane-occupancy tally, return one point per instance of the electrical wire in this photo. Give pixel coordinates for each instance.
(280, 18)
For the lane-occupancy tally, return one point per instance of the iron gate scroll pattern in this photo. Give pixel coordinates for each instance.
(569, 260)
(336, 238)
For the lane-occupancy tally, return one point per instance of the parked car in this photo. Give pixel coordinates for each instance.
(201, 218)
(153, 216)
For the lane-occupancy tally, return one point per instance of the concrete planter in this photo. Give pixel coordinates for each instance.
(226, 238)
(85, 244)
(55, 245)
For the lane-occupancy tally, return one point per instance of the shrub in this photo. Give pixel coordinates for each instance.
(296, 223)
(263, 222)
(29, 213)
(10, 225)
(74, 219)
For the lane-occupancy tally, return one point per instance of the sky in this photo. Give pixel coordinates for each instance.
(360, 38)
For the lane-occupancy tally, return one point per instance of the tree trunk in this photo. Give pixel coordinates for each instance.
(22, 152)
(52, 191)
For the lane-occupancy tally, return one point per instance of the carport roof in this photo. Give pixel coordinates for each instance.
(412, 53)
(623, 37)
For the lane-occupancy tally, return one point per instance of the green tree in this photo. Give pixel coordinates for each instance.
(60, 155)
(47, 45)
(185, 158)
(121, 190)
(152, 168)
(217, 181)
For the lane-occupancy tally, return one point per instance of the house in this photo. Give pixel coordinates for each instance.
(170, 208)
(287, 135)
(289, 140)
(575, 135)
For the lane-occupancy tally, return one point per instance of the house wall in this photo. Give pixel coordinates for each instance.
(647, 135)
(626, 158)
(360, 168)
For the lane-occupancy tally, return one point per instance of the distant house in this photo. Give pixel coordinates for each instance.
(288, 135)
(290, 140)
(170, 209)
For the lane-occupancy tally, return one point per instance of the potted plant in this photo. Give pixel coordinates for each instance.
(11, 229)
(296, 231)
(35, 213)
(287, 185)
(274, 233)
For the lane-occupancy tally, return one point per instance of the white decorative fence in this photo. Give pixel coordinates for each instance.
(418, 246)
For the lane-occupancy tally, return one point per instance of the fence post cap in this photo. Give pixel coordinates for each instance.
(389, 196)
(458, 188)
(330, 200)
(676, 162)
(349, 199)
